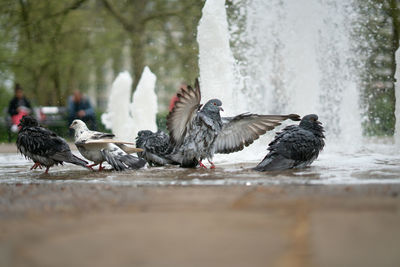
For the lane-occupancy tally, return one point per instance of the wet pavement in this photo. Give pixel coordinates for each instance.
(370, 164)
(342, 211)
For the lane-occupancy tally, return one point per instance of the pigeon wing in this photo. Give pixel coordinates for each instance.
(241, 130)
(183, 113)
(120, 160)
(99, 135)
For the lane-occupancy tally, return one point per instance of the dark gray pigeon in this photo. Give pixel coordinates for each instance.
(43, 146)
(297, 146)
(156, 147)
(198, 132)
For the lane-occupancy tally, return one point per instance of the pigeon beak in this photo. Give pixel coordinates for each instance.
(70, 126)
(221, 109)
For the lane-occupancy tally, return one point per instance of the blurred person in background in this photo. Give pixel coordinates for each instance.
(79, 107)
(19, 106)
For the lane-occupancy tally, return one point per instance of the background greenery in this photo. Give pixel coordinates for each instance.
(55, 47)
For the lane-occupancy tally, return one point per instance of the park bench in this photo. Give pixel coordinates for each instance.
(50, 116)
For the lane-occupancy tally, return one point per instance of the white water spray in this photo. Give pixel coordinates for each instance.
(117, 117)
(124, 118)
(291, 57)
(144, 105)
(215, 57)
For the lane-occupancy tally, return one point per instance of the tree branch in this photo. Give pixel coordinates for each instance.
(77, 4)
(165, 14)
(127, 26)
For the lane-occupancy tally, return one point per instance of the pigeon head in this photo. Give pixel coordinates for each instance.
(28, 121)
(144, 133)
(142, 137)
(78, 125)
(310, 122)
(213, 106)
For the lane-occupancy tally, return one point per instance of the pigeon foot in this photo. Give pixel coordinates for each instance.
(47, 170)
(202, 165)
(89, 167)
(36, 165)
(101, 167)
(212, 164)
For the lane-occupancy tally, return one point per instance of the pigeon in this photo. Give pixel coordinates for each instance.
(43, 146)
(99, 147)
(297, 146)
(156, 147)
(197, 132)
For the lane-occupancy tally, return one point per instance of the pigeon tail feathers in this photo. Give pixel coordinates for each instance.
(275, 163)
(124, 162)
(78, 161)
(133, 162)
(112, 160)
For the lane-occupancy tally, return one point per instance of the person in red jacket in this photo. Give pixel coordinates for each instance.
(19, 106)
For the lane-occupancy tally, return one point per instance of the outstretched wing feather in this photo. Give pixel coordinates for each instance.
(183, 113)
(240, 131)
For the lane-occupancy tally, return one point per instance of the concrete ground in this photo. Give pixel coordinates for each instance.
(64, 224)
(102, 225)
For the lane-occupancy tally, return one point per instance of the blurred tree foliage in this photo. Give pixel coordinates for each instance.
(379, 34)
(54, 47)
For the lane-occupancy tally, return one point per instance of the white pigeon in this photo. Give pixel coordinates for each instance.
(99, 147)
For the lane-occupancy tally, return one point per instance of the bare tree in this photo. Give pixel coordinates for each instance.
(135, 16)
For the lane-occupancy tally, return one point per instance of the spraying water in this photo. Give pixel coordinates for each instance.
(124, 118)
(291, 57)
(215, 56)
(117, 117)
(144, 105)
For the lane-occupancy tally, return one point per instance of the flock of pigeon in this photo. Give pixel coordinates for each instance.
(196, 133)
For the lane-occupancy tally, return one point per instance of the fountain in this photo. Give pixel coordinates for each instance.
(215, 57)
(281, 65)
(126, 118)
(144, 106)
(272, 57)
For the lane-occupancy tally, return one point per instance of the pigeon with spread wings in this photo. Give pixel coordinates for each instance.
(43, 146)
(99, 147)
(197, 132)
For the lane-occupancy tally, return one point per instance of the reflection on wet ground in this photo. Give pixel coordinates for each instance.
(372, 164)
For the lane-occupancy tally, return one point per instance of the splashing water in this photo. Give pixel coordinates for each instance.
(282, 65)
(296, 57)
(287, 56)
(291, 57)
(124, 118)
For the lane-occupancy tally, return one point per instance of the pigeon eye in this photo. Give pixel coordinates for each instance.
(215, 104)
